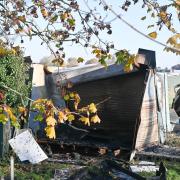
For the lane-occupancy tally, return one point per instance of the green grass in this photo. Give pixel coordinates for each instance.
(43, 171)
(173, 171)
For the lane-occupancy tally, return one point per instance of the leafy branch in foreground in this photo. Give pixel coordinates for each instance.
(58, 22)
(52, 115)
(48, 113)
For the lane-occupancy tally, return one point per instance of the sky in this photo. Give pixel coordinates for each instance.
(123, 36)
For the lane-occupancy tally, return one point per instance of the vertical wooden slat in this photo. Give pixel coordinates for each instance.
(5, 134)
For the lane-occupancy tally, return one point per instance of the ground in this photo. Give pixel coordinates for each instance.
(66, 164)
(47, 170)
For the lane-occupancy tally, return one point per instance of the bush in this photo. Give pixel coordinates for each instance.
(13, 73)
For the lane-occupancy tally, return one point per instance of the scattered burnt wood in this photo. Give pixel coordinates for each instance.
(159, 152)
(55, 147)
(156, 156)
(67, 161)
(105, 169)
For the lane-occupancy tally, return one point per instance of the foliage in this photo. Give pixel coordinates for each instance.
(52, 115)
(57, 22)
(13, 73)
(43, 171)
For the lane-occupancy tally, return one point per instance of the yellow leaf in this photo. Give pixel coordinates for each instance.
(95, 119)
(153, 35)
(128, 67)
(178, 2)
(162, 15)
(85, 120)
(3, 118)
(71, 117)
(58, 62)
(64, 16)
(50, 132)
(76, 105)
(21, 109)
(92, 108)
(10, 114)
(22, 18)
(61, 117)
(71, 95)
(44, 13)
(77, 100)
(39, 101)
(77, 97)
(50, 121)
(66, 97)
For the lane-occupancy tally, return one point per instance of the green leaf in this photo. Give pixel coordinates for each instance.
(66, 97)
(150, 26)
(71, 22)
(102, 60)
(3, 118)
(71, 117)
(80, 60)
(38, 117)
(143, 18)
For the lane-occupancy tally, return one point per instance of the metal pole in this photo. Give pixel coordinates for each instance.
(12, 167)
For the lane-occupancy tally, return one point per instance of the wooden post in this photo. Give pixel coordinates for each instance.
(5, 131)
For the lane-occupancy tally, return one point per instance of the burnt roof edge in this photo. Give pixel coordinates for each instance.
(150, 57)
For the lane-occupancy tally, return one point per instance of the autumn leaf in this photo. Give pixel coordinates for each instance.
(71, 95)
(95, 119)
(163, 15)
(3, 118)
(153, 35)
(39, 101)
(44, 13)
(58, 62)
(85, 120)
(76, 100)
(177, 2)
(128, 67)
(92, 108)
(174, 40)
(10, 114)
(62, 117)
(66, 97)
(71, 117)
(50, 121)
(64, 16)
(21, 109)
(50, 132)
(22, 18)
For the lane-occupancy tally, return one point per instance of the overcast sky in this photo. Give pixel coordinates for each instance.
(123, 37)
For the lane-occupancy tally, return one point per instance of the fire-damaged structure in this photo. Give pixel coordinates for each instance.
(133, 111)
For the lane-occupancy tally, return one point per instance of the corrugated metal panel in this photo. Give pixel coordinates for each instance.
(120, 113)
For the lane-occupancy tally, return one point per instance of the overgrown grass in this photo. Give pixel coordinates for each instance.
(173, 171)
(43, 171)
